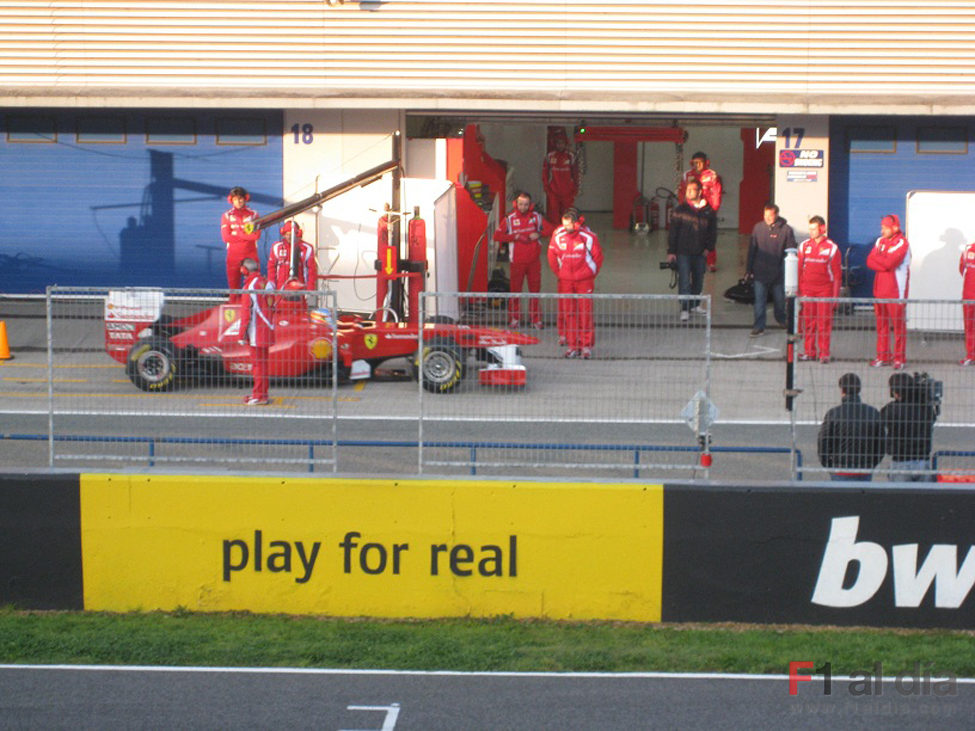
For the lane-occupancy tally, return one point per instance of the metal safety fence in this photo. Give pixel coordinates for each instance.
(177, 366)
(141, 377)
(167, 370)
(887, 384)
(599, 370)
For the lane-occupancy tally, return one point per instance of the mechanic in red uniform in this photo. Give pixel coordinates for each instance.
(560, 178)
(240, 244)
(575, 256)
(521, 230)
(967, 269)
(711, 191)
(256, 329)
(820, 275)
(279, 259)
(890, 259)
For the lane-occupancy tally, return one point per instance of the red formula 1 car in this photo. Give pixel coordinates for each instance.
(161, 352)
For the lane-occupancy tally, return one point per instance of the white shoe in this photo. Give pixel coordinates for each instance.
(685, 315)
(699, 310)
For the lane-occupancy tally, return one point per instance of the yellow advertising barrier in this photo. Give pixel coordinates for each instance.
(373, 547)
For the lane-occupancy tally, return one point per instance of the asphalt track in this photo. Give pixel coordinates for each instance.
(103, 697)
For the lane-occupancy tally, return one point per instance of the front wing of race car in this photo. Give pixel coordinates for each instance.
(506, 368)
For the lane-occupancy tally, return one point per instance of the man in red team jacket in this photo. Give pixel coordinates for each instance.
(711, 191)
(820, 275)
(890, 259)
(290, 250)
(575, 256)
(967, 269)
(560, 178)
(240, 244)
(256, 329)
(521, 230)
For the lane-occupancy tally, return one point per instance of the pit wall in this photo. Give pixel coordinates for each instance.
(881, 556)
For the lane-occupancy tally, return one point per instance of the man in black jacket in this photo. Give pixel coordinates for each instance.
(851, 438)
(693, 233)
(908, 422)
(766, 251)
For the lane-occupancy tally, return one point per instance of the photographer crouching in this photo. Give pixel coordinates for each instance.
(908, 423)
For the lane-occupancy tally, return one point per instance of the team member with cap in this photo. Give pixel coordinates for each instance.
(575, 256)
(233, 229)
(851, 438)
(967, 269)
(890, 259)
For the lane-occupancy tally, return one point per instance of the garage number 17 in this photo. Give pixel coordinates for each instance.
(793, 132)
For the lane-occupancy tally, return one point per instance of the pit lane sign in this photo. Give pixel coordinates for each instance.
(801, 158)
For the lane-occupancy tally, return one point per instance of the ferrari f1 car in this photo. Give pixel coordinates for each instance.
(160, 353)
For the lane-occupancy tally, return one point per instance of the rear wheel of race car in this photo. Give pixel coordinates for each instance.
(152, 365)
(442, 364)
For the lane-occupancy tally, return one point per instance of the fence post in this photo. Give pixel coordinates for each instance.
(419, 380)
(50, 377)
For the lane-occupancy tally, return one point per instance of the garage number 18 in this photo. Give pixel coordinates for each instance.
(304, 133)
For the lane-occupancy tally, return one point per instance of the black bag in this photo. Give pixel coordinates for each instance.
(743, 292)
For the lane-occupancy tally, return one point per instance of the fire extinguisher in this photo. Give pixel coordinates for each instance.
(417, 265)
(654, 214)
(387, 258)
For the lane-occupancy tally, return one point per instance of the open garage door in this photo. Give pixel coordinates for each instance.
(521, 141)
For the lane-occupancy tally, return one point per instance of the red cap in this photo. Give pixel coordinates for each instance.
(892, 221)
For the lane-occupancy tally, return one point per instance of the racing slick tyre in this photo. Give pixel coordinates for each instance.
(152, 365)
(442, 365)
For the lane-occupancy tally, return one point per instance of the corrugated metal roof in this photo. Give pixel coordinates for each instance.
(648, 56)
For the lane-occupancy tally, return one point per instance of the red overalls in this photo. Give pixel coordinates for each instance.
(820, 275)
(575, 258)
(560, 178)
(524, 254)
(967, 268)
(891, 260)
(279, 264)
(240, 245)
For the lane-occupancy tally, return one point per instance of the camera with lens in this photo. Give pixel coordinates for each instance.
(928, 390)
(668, 265)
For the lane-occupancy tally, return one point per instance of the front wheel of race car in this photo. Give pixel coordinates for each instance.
(442, 365)
(152, 365)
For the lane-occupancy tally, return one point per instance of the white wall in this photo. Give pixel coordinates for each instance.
(799, 200)
(343, 143)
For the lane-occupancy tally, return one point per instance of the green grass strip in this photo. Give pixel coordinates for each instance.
(501, 644)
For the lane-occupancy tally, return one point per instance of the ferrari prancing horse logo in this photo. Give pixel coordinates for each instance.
(370, 341)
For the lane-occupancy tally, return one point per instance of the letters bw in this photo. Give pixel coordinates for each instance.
(911, 581)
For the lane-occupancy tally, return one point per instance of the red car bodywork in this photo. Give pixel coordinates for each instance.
(303, 340)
